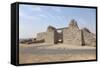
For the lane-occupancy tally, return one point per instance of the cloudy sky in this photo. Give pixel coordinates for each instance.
(34, 18)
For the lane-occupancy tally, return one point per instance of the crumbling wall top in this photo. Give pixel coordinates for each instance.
(51, 28)
(73, 23)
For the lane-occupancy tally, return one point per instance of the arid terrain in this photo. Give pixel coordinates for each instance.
(37, 53)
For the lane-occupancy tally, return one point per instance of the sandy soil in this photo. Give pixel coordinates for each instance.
(37, 53)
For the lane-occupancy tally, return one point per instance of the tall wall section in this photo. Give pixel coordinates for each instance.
(51, 35)
(72, 34)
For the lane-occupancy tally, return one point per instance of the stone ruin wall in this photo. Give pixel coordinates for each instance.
(72, 36)
(89, 38)
(41, 35)
(51, 35)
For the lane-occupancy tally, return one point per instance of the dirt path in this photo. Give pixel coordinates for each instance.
(47, 53)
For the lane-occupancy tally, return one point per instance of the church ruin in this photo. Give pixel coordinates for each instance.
(69, 35)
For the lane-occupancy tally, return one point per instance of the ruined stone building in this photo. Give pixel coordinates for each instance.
(69, 35)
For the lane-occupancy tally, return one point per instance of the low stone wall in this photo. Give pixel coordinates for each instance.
(41, 35)
(89, 38)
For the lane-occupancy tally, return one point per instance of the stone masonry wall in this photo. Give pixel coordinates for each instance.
(41, 35)
(72, 36)
(89, 38)
(49, 37)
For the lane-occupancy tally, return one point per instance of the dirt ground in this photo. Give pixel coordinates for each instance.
(37, 53)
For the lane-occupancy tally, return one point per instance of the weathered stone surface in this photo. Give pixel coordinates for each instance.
(69, 35)
(73, 24)
(51, 35)
(72, 36)
(41, 35)
(89, 38)
(51, 28)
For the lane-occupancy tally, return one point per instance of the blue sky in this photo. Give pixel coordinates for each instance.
(34, 19)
